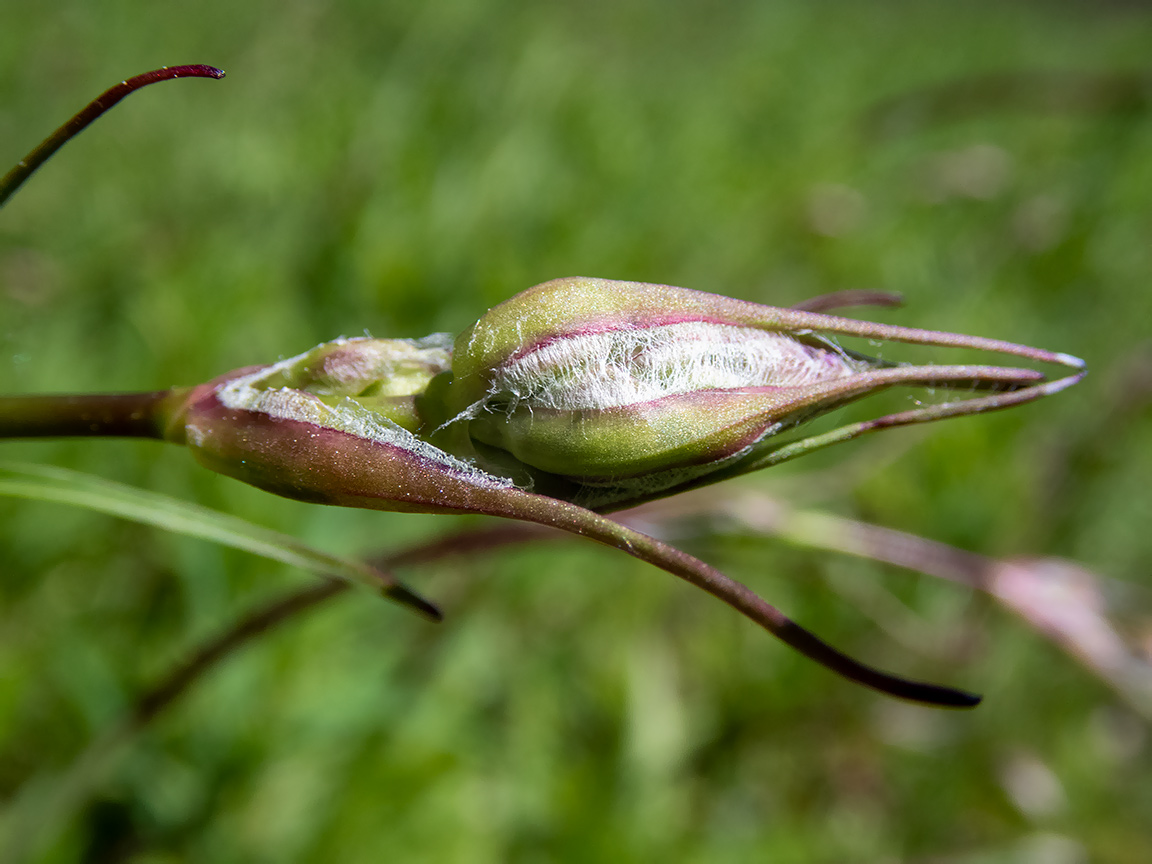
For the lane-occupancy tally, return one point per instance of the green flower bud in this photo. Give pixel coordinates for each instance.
(626, 389)
(622, 403)
(333, 425)
(587, 390)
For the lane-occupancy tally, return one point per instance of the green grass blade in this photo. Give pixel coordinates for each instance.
(62, 486)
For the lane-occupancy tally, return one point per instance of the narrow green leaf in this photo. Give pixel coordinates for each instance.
(62, 486)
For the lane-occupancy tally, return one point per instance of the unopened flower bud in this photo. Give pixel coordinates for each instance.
(636, 399)
(627, 388)
(592, 391)
(333, 423)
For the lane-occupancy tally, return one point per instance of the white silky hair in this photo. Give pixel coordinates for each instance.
(614, 368)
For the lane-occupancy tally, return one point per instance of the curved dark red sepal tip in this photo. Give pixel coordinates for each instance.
(810, 645)
(941, 697)
(412, 600)
(24, 169)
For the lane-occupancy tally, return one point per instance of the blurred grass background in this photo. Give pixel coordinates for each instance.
(400, 168)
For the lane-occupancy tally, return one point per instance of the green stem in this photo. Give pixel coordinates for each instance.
(24, 169)
(121, 415)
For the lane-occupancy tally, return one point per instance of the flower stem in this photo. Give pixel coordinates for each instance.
(24, 169)
(120, 415)
(516, 504)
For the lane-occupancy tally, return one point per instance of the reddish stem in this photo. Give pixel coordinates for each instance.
(121, 415)
(24, 169)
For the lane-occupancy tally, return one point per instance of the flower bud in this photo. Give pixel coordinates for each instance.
(630, 401)
(592, 391)
(332, 425)
(626, 388)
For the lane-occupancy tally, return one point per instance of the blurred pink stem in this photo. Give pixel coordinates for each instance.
(1058, 598)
